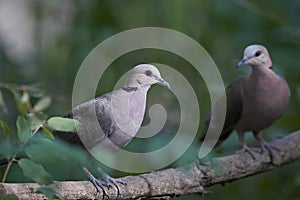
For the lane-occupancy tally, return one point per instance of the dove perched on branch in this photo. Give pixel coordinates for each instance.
(255, 100)
(112, 120)
(119, 114)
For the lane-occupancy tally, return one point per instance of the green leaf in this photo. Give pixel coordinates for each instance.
(8, 197)
(24, 128)
(63, 124)
(42, 104)
(7, 148)
(2, 103)
(21, 105)
(50, 153)
(48, 192)
(41, 149)
(47, 132)
(5, 128)
(35, 172)
(36, 120)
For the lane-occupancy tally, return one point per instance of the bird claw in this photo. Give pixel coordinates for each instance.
(112, 181)
(107, 182)
(98, 184)
(246, 149)
(269, 148)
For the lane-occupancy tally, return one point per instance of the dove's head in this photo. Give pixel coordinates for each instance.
(256, 56)
(145, 75)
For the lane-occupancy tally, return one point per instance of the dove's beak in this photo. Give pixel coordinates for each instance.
(163, 82)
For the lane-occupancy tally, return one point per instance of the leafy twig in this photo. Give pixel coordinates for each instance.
(10, 162)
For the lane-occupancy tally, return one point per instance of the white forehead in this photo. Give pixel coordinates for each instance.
(251, 49)
(144, 67)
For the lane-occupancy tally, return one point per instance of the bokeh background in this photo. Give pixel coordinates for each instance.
(45, 42)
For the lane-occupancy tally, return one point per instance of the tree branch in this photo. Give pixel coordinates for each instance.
(192, 178)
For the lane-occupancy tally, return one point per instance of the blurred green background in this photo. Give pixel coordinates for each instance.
(46, 41)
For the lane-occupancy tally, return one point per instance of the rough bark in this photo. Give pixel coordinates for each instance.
(163, 184)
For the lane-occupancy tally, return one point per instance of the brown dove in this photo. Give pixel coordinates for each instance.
(254, 101)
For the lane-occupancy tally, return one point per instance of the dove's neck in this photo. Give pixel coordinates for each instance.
(131, 83)
(130, 89)
(262, 71)
(138, 104)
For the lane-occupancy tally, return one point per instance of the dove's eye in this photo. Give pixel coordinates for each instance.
(148, 73)
(257, 53)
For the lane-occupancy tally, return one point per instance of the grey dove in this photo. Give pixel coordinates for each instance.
(254, 101)
(119, 114)
(112, 120)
